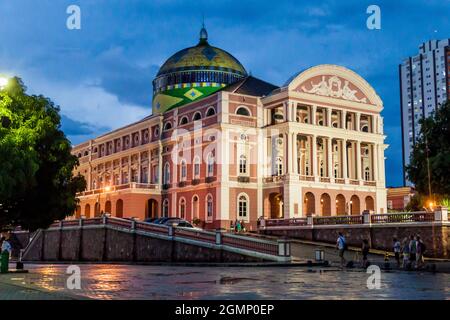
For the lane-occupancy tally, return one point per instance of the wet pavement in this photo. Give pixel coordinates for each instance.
(105, 281)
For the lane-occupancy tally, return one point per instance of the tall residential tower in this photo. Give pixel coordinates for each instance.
(424, 85)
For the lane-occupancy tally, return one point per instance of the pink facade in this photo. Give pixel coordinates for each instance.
(314, 146)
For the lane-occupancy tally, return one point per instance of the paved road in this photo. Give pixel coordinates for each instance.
(170, 282)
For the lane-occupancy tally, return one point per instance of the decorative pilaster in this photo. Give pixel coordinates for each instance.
(358, 160)
(314, 157)
(330, 159)
(313, 114)
(344, 160)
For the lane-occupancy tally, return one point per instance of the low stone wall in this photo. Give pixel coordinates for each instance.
(435, 236)
(107, 244)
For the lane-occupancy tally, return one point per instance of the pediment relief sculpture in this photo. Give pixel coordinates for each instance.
(333, 88)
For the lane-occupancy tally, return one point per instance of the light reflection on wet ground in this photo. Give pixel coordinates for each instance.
(175, 282)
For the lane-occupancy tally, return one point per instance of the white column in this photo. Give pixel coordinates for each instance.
(287, 116)
(314, 156)
(288, 155)
(294, 111)
(330, 158)
(375, 161)
(343, 119)
(358, 160)
(295, 153)
(344, 158)
(358, 121)
(329, 117)
(313, 114)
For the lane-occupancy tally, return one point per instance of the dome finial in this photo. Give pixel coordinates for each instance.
(203, 32)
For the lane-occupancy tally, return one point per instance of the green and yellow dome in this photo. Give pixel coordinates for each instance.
(194, 73)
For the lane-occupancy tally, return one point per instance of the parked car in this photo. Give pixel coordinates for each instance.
(150, 220)
(178, 222)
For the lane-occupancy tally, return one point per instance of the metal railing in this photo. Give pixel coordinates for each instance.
(422, 216)
(338, 220)
(287, 222)
(366, 218)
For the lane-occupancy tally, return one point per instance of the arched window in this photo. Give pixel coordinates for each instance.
(243, 111)
(242, 164)
(165, 208)
(210, 171)
(367, 174)
(279, 166)
(243, 206)
(183, 120)
(209, 206)
(365, 128)
(167, 126)
(196, 167)
(197, 116)
(183, 170)
(182, 208)
(210, 112)
(166, 173)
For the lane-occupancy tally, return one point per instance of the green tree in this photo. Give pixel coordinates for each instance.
(37, 185)
(433, 143)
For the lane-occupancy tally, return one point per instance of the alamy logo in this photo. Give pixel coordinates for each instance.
(374, 20)
(374, 280)
(74, 280)
(74, 20)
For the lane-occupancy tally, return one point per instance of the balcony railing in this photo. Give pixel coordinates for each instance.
(132, 185)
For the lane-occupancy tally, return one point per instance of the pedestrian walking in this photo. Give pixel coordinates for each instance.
(405, 252)
(397, 250)
(341, 245)
(412, 250)
(365, 252)
(420, 251)
(243, 226)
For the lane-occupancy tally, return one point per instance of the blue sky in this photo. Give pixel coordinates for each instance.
(101, 75)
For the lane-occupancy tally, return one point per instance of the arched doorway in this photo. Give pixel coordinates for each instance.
(325, 205)
(108, 207)
(276, 205)
(97, 210)
(355, 208)
(370, 205)
(195, 212)
(78, 212)
(309, 205)
(151, 208)
(87, 211)
(340, 205)
(119, 208)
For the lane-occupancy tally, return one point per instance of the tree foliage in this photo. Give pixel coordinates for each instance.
(434, 139)
(36, 181)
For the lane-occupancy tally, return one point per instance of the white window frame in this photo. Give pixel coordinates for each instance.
(247, 207)
(166, 176)
(209, 200)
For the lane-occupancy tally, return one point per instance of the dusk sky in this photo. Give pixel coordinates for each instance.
(101, 75)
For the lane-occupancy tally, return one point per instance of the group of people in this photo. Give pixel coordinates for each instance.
(238, 226)
(408, 254)
(411, 250)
